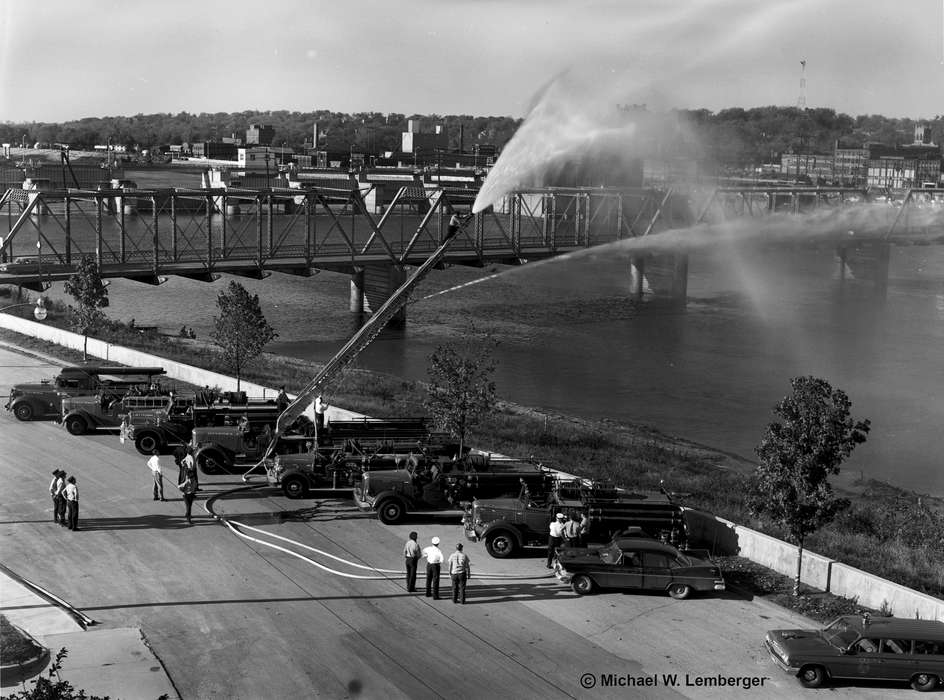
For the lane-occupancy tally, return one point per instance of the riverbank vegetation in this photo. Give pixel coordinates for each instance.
(887, 531)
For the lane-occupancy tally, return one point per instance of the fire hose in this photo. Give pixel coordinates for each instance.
(382, 574)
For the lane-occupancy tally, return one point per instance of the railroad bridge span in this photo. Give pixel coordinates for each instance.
(149, 235)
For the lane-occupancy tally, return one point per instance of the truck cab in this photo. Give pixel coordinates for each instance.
(44, 400)
(108, 409)
(162, 430)
(441, 485)
(222, 448)
(297, 474)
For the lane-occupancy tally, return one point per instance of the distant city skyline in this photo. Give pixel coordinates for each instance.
(63, 60)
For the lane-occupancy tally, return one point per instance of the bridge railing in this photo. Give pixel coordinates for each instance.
(160, 228)
(137, 231)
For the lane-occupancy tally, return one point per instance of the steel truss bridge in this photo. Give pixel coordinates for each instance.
(148, 235)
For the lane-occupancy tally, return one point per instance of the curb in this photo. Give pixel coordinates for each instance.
(13, 674)
(35, 354)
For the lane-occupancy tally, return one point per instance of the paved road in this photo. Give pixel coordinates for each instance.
(231, 618)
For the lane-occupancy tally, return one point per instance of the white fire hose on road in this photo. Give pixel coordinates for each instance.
(381, 574)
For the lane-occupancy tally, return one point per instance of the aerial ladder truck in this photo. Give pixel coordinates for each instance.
(361, 339)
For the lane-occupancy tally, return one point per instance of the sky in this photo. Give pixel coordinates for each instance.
(63, 60)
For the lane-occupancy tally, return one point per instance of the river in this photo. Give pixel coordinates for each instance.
(570, 341)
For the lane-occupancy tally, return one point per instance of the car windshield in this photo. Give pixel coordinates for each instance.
(839, 633)
(610, 554)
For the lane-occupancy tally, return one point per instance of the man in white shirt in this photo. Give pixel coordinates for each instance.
(320, 408)
(154, 463)
(555, 538)
(460, 568)
(71, 495)
(434, 560)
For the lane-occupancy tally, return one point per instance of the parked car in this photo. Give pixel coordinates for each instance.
(859, 646)
(636, 563)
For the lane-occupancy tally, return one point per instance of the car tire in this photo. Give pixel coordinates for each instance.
(924, 682)
(501, 545)
(391, 511)
(76, 425)
(812, 676)
(146, 443)
(23, 411)
(582, 585)
(295, 486)
(680, 591)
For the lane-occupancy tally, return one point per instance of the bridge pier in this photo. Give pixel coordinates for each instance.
(866, 263)
(372, 285)
(357, 291)
(665, 276)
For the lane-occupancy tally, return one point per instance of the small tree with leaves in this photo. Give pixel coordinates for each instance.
(91, 296)
(241, 330)
(461, 389)
(799, 453)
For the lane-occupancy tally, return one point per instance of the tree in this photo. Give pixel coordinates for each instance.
(91, 296)
(241, 329)
(798, 454)
(461, 389)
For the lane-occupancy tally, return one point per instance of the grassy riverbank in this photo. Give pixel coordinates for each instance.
(888, 531)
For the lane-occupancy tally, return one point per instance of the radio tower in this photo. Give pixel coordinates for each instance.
(801, 100)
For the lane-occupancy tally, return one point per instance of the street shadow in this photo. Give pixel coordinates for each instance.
(490, 594)
(152, 521)
(311, 514)
(475, 595)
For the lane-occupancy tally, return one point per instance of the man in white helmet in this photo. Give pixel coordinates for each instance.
(555, 537)
(434, 560)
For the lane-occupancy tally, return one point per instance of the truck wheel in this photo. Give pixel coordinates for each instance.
(391, 511)
(147, 443)
(582, 585)
(812, 676)
(294, 486)
(210, 463)
(23, 411)
(76, 425)
(925, 682)
(501, 545)
(680, 591)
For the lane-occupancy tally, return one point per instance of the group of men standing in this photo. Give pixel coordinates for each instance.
(459, 567)
(65, 499)
(564, 530)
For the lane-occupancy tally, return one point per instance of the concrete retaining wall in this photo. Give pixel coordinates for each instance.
(722, 536)
(873, 591)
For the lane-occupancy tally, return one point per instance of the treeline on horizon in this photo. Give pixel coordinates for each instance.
(734, 136)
